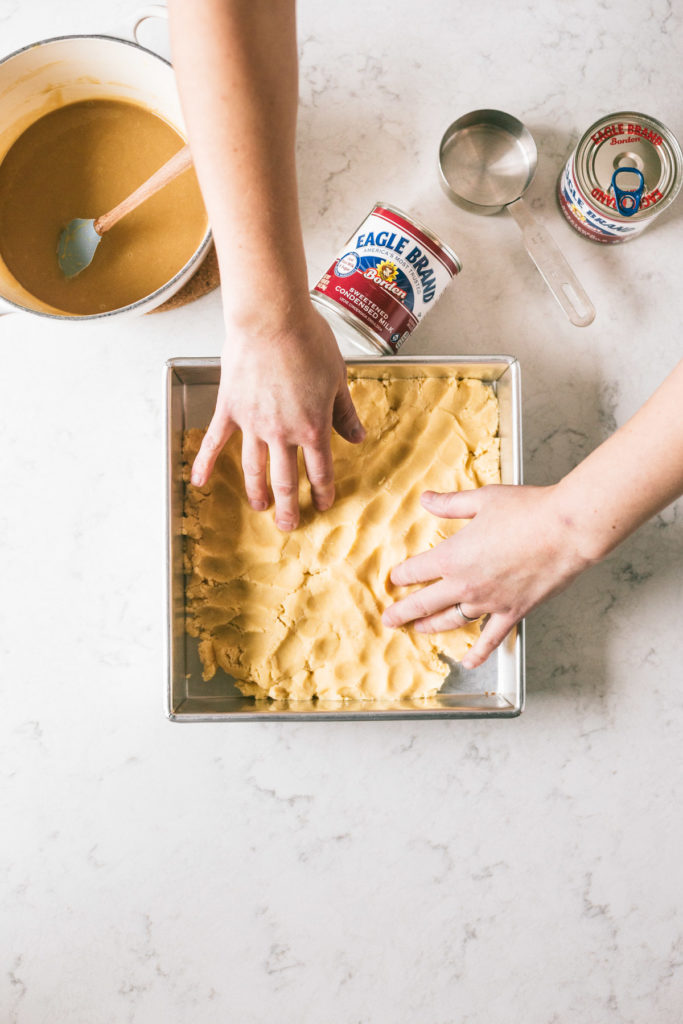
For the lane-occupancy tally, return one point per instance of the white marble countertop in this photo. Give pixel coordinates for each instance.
(460, 872)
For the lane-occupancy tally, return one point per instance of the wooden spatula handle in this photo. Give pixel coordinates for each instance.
(170, 170)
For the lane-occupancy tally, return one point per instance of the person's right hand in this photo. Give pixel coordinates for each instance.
(285, 388)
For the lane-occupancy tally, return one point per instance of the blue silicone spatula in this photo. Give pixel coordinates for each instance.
(80, 238)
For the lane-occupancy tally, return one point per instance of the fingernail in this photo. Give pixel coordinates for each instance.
(259, 506)
(467, 662)
(196, 478)
(285, 524)
(358, 434)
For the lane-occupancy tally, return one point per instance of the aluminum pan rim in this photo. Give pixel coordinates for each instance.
(519, 655)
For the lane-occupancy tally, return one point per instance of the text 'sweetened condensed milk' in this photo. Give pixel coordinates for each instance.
(386, 278)
(625, 170)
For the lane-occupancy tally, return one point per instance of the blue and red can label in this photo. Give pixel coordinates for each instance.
(620, 147)
(387, 277)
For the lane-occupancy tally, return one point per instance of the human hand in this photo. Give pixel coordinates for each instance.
(517, 550)
(284, 388)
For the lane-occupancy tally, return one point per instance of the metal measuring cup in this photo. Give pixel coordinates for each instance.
(487, 160)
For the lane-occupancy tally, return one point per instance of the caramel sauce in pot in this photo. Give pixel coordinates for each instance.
(80, 161)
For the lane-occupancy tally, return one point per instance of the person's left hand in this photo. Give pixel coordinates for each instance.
(517, 550)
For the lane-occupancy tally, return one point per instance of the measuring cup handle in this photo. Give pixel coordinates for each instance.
(553, 267)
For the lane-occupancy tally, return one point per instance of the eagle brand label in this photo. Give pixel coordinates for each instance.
(387, 277)
(637, 148)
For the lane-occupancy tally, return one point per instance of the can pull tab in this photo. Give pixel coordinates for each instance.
(628, 199)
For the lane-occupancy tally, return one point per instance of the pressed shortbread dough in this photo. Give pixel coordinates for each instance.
(297, 615)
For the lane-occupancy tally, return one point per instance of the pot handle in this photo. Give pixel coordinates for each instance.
(144, 14)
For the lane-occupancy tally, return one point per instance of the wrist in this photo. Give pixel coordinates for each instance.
(582, 522)
(269, 316)
(264, 282)
(297, 330)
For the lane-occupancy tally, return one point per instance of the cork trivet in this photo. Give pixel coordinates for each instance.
(205, 280)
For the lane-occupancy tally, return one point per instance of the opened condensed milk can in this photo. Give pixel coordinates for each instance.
(385, 280)
(626, 169)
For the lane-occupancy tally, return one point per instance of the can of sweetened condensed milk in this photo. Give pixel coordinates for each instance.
(625, 170)
(385, 280)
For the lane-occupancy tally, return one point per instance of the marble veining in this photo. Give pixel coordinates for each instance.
(460, 872)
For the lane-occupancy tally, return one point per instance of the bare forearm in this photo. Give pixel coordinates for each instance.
(283, 380)
(637, 472)
(236, 64)
(524, 544)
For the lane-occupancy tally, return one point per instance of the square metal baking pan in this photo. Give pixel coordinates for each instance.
(495, 690)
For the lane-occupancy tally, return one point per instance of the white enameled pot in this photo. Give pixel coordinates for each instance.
(49, 74)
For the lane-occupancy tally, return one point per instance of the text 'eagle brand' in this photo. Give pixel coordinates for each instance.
(384, 279)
